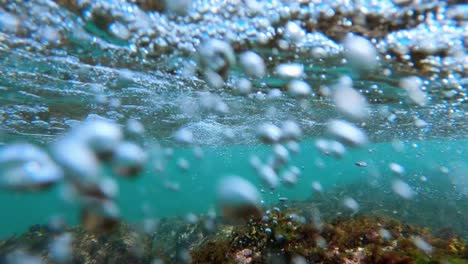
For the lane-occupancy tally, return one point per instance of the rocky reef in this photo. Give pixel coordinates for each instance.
(281, 236)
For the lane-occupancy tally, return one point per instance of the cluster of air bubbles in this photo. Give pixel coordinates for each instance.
(294, 32)
(78, 158)
(286, 24)
(216, 58)
(284, 140)
(27, 167)
(424, 43)
(354, 106)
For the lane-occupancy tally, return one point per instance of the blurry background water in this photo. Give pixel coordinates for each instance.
(63, 62)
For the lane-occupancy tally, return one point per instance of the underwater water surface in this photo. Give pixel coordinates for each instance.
(241, 127)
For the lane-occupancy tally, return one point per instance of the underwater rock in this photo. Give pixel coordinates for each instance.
(347, 240)
(291, 233)
(124, 245)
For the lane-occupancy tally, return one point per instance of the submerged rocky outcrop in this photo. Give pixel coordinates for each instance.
(283, 235)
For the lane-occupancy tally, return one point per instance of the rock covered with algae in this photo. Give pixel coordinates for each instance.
(281, 236)
(123, 245)
(284, 237)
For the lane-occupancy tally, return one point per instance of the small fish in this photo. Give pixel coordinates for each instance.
(361, 164)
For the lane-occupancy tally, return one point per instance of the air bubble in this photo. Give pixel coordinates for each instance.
(422, 244)
(350, 102)
(184, 136)
(360, 52)
(316, 186)
(396, 168)
(290, 130)
(268, 176)
(60, 249)
(238, 198)
(347, 133)
(402, 189)
(269, 133)
(290, 70)
(8, 22)
(253, 64)
(129, 159)
(294, 32)
(101, 135)
(413, 86)
(299, 89)
(351, 204)
(243, 86)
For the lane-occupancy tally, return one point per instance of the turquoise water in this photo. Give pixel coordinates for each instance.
(146, 196)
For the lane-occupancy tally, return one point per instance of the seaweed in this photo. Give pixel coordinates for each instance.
(281, 236)
(356, 239)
